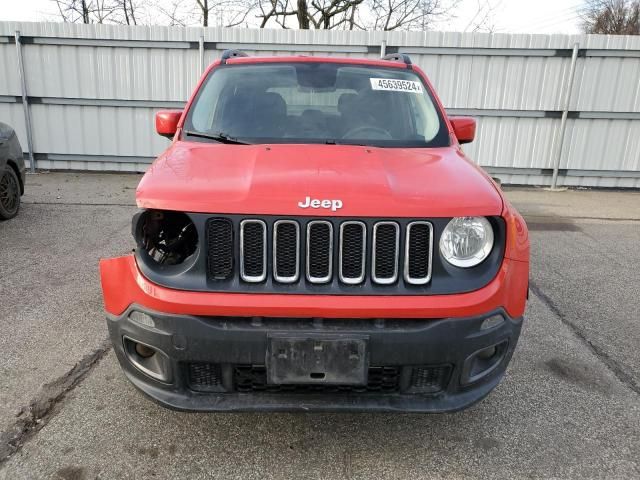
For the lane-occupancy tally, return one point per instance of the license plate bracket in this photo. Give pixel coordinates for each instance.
(317, 359)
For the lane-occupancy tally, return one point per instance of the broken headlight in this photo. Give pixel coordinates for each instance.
(168, 237)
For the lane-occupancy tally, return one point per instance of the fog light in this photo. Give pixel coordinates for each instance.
(142, 318)
(487, 353)
(491, 322)
(144, 351)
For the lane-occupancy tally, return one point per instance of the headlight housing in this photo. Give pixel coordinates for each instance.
(168, 237)
(466, 241)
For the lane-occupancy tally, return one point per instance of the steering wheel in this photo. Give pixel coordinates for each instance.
(378, 133)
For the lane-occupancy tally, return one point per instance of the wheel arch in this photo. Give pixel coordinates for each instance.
(12, 164)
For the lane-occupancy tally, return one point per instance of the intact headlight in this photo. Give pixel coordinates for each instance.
(466, 241)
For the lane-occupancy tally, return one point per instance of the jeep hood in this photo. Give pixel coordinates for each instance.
(273, 179)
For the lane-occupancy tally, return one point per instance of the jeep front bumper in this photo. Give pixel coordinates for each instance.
(208, 355)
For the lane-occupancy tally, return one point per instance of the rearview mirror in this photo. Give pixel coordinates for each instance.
(167, 122)
(464, 128)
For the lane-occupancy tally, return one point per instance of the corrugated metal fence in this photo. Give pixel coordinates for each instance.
(92, 90)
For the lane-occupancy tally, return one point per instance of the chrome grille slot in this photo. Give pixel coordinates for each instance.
(219, 248)
(418, 255)
(384, 258)
(353, 252)
(319, 251)
(286, 251)
(253, 251)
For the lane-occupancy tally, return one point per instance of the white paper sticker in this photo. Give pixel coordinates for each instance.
(395, 85)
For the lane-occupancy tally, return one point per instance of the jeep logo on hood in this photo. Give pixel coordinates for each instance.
(334, 205)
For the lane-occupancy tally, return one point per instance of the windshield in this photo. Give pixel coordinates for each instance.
(316, 103)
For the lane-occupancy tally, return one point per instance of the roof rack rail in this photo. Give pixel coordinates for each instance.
(227, 54)
(398, 57)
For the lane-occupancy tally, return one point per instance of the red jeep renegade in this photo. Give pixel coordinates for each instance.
(315, 239)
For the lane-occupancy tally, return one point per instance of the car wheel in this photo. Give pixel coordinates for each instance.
(9, 194)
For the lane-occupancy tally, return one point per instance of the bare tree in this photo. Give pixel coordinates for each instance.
(87, 11)
(612, 17)
(177, 13)
(128, 10)
(482, 21)
(302, 14)
(205, 8)
(355, 14)
(331, 13)
(232, 13)
(317, 14)
(228, 13)
(408, 14)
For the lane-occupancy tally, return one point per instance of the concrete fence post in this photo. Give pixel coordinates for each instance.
(565, 113)
(383, 48)
(25, 103)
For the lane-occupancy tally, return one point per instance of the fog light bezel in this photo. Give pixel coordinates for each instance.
(156, 366)
(470, 375)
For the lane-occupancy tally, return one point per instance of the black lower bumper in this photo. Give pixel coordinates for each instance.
(219, 363)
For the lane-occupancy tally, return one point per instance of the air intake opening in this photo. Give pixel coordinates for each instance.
(429, 378)
(286, 250)
(386, 238)
(205, 377)
(219, 248)
(418, 253)
(353, 241)
(319, 251)
(253, 250)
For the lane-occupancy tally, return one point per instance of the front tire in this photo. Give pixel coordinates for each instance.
(9, 193)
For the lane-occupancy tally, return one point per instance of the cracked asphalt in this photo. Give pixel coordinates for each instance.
(569, 406)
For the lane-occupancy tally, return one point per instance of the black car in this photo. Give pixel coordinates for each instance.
(12, 172)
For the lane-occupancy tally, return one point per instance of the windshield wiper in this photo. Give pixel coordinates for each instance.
(347, 142)
(331, 141)
(218, 137)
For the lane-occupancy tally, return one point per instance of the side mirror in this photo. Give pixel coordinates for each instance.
(464, 128)
(167, 122)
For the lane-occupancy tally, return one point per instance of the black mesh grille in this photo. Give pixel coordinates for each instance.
(383, 379)
(352, 245)
(419, 248)
(205, 377)
(320, 250)
(426, 379)
(253, 248)
(253, 378)
(386, 251)
(286, 250)
(219, 248)
(429, 379)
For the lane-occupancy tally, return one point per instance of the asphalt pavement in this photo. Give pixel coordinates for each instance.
(569, 406)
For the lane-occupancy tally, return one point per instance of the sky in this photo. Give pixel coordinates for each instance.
(506, 16)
